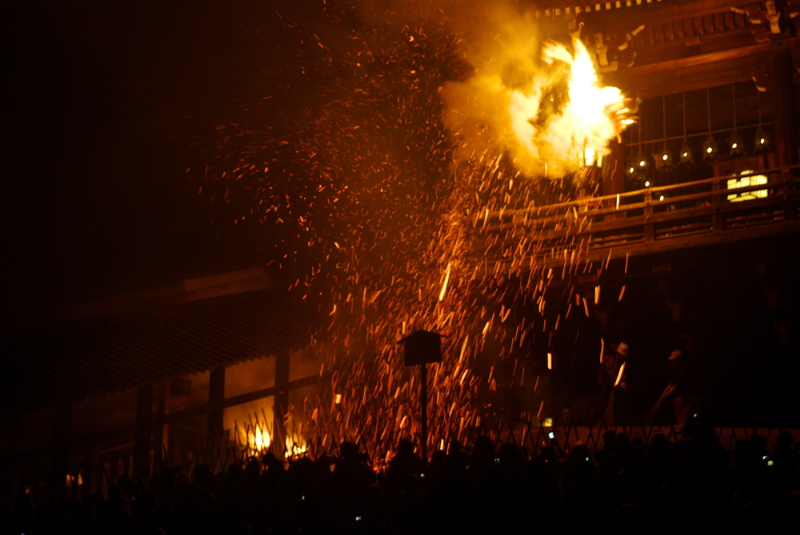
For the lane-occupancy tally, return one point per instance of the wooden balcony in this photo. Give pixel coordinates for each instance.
(653, 220)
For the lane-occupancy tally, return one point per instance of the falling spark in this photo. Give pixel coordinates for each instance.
(619, 375)
(444, 285)
(345, 151)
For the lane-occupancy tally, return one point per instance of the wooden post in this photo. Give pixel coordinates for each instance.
(716, 218)
(158, 427)
(13, 432)
(216, 395)
(281, 406)
(90, 473)
(614, 177)
(782, 70)
(144, 428)
(59, 462)
(649, 228)
(423, 398)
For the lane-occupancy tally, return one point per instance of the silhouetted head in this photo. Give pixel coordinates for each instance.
(253, 468)
(510, 455)
(608, 438)
(348, 450)
(784, 440)
(579, 455)
(202, 475)
(658, 442)
(621, 442)
(405, 447)
(483, 447)
(745, 453)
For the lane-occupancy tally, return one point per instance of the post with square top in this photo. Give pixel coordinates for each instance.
(420, 348)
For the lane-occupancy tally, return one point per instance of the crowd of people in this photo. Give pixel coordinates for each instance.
(628, 485)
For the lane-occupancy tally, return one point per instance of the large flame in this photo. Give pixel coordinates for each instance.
(593, 115)
(549, 117)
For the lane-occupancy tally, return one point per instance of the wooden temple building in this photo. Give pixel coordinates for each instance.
(716, 106)
(706, 183)
(128, 383)
(694, 214)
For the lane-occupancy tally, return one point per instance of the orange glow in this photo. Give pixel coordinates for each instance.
(444, 285)
(296, 447)
(258, 439)
(581, 130)
(552, 117)
(619, 376)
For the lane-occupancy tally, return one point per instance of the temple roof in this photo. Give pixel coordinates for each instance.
(132, 340)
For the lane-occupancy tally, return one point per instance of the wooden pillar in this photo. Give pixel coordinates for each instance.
(216, 395)
(423, 399)
(782, 70)
(281, 406)
(614, 175)
(144, 428)
(59, 461)
(717, 221)
(158, 427)
(649, 228)
(90, 472)
(13, 432)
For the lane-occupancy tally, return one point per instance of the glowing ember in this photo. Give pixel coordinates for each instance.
(552, 118)
(373, 201)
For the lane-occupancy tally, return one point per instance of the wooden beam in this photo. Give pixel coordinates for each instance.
(625, 19)
(271, 391)
(683, 48)
(59, 460)
(281, 404)
(86, 440)
(692, 73)
(782, 69)
(144, 430)
(216, 396)
(698, 60)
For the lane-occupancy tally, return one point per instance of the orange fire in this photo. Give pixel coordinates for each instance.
(594, 114)
(552, 118)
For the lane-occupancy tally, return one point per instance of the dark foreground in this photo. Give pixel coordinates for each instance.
(626, 487)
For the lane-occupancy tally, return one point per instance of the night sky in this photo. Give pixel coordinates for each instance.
(107, 103)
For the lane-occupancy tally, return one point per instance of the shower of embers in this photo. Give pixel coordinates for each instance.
(376, 156)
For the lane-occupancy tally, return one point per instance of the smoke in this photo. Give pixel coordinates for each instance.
(535, 102)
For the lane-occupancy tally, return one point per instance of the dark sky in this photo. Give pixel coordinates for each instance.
(104, 101)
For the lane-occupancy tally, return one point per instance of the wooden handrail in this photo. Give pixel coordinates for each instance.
(648, 222)
(654, 191)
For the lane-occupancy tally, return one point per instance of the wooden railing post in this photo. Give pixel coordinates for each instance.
(716, 218)
(59, 461)
(281, 407)
(216, 396)
(144, 428)
(786, 189)
(649, 228)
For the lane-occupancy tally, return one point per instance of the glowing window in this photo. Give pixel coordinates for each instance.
(755, 180)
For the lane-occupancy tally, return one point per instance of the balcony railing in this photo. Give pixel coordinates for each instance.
(646, 221)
